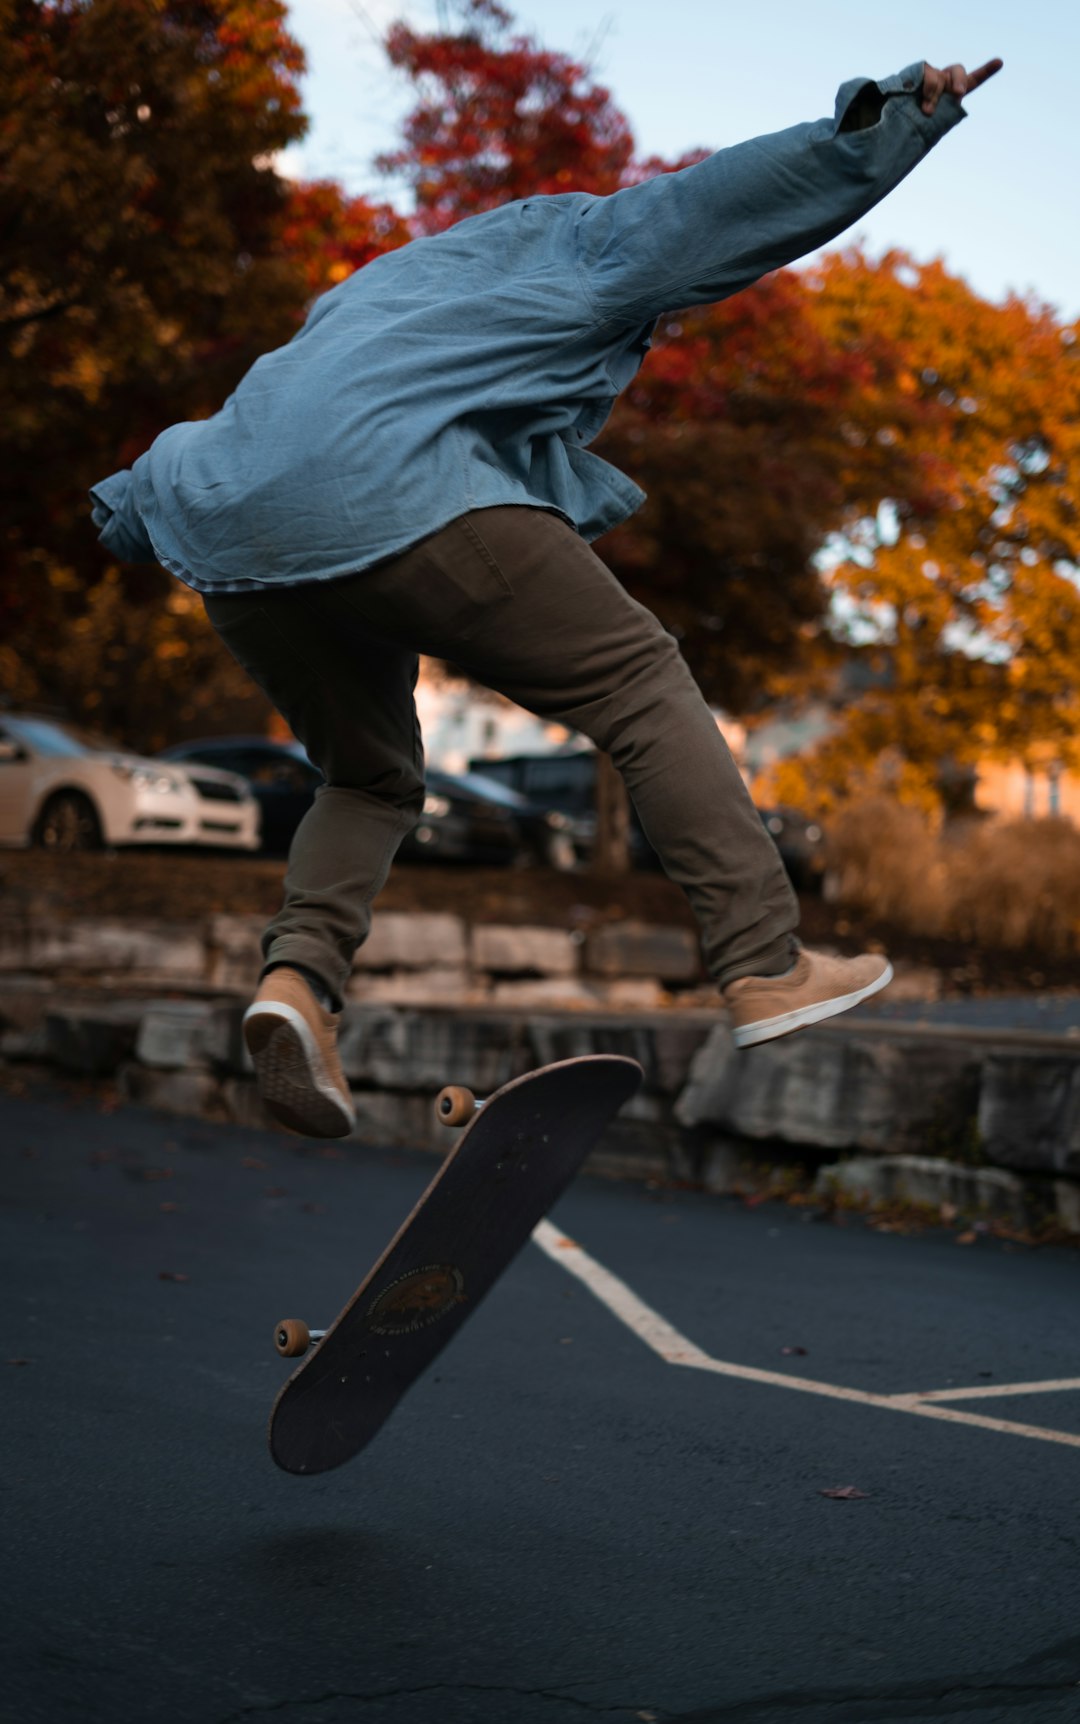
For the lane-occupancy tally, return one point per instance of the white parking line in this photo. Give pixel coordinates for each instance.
(1052, 1386)
(666, 1341)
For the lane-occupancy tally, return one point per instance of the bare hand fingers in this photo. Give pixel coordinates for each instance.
(933, 84)
(980, 76)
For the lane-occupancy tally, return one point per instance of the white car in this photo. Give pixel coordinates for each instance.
(65, 789)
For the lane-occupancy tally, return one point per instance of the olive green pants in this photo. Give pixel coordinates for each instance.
(518, 600)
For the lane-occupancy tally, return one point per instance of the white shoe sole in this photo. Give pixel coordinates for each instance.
(767, 1029)
(292, 1076)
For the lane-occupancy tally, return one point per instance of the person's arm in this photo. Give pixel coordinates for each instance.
(699, 235)
(120, 526)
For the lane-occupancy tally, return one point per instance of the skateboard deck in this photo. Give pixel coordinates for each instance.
(512, 1162)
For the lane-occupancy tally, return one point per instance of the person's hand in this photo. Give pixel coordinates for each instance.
(953, 81)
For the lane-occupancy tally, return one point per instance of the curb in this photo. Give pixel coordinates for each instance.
(999, 1111)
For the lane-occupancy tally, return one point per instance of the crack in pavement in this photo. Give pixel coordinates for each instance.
(629, 1713)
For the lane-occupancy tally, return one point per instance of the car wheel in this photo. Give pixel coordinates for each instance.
(68, 821)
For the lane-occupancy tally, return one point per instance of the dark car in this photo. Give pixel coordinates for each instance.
(282, 778)
(566, 783)
(465, 818)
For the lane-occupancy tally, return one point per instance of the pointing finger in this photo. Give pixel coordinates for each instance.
(980, 76)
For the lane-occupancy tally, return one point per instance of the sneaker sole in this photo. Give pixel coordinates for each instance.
(768, 1029)
(292, 1076)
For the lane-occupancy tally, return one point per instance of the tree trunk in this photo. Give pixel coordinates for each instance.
(611, 847)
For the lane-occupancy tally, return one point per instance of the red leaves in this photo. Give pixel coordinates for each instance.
(844, 1493)
(499, 118)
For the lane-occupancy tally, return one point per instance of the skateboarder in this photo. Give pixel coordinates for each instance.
(410, 475)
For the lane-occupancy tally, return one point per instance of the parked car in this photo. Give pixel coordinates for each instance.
(567, 783)
(64, 788)
(278, 775)
(465, 818)
(467, 813)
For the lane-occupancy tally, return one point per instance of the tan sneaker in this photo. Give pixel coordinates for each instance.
(818, 987)
(293, 1041)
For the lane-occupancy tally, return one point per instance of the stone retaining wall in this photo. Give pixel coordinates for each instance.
(408, 959)
(988, 1122)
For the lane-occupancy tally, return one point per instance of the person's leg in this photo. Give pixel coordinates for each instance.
(347, 694)
(518, 600)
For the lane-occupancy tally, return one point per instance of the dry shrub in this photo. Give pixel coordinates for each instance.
(1016, 884)
(885, 858)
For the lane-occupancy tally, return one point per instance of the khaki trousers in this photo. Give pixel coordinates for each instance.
(517, 599)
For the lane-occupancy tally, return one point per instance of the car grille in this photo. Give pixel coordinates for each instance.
(214, 791)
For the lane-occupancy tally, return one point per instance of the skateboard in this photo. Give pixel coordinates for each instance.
(518, 1153)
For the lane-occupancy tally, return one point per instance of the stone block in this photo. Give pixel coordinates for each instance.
(930, 1180)
(410, 1050)
(631, 994)
(711, 1080)
(508, 951)
(837, 1091)
(389, 1118)
(24, 1000)
(564, 992)
(244, 1105)
(233, 954)
(559, 1037)
(675, 1045)
(29, 1044)
(670, 954)
(92, 1039)
(188, 1092)
(435, 987)
(220, 1042)
(1029, 1111)
(1067, 1204)
(159, 949)
(170, 1034)
(400, 941)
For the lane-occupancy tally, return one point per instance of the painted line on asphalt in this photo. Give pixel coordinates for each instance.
(987, 1391)
(668, 1344)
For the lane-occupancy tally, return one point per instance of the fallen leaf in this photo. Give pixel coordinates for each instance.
(18, 1361)
(168, 1208)
(966, 1238)
(252, 1161)
(844, 1493)
(172, 1275)
(801, 1351)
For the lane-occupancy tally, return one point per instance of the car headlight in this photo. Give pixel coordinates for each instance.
(437, 806)
(558, 821)
(149, 778)
(814, 834)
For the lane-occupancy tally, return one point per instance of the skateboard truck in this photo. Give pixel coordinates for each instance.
(454, 1105)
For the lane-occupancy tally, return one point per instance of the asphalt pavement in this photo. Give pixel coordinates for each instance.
(557, 1523)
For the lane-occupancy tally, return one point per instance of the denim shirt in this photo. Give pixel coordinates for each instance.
(473, 368)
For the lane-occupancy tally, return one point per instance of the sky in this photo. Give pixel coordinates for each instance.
(997, 199)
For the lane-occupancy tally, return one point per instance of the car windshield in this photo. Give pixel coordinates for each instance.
(489, 788)
(46, 736)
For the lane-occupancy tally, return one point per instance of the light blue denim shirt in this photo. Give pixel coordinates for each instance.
(473, 368)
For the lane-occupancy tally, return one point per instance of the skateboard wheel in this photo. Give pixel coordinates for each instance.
(292, 1338)
(455, 1105)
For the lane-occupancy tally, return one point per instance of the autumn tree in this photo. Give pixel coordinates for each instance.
(498, 117)
(965, 598)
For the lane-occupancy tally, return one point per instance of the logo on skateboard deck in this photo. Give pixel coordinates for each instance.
(417, 1299)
